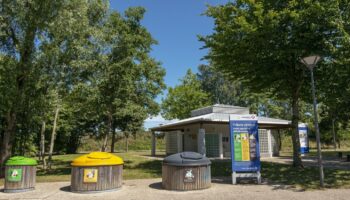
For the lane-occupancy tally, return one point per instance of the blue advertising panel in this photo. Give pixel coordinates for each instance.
(303, 138)
(244, 140)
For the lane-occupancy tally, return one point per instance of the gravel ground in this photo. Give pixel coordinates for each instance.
(151, 189)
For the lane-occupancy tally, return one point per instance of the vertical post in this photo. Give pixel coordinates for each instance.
(201, 140)
(179, 142)
(269, 141)
(234, 178)
(221, 149)
(153, 152)
(319, 154)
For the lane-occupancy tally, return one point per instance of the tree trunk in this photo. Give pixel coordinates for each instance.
(109, 130)
(113, 138)
(53, 137)
(8, 137)
(126, 142)
(25, 54)
(295, 132)
(104, 144)
(42, 145)
(334, 135)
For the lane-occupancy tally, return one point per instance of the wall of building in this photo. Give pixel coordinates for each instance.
(187, 140)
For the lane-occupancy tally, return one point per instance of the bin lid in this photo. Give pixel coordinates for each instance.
(186, 159)
(97, 159)
(20, 160)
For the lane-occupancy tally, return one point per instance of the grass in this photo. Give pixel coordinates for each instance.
(139, 167)
(135, 167)
(283, 174)
(326, 153)
(141, 142)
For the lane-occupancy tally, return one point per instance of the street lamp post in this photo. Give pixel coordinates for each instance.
(310, 63)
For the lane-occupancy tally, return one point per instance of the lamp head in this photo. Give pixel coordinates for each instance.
(311, 61)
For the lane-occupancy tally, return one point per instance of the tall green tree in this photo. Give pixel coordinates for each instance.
(185, 97)
(43, 44)
(260, 43)
(128, 77)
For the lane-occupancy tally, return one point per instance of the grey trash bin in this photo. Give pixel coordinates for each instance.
(186, 171)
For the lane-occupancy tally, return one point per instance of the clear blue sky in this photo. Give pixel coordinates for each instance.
(175, 24)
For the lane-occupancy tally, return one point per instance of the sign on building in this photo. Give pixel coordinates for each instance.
(244, 139)
(303, 138)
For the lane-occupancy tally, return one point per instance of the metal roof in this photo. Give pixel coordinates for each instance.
(221, 118)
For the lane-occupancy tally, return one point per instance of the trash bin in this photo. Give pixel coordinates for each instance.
(97, 171)
(186, 171)
(20, 174)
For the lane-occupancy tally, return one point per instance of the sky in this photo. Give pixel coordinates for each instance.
(175, 24)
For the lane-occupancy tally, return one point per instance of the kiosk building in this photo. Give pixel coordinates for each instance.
(207, 132)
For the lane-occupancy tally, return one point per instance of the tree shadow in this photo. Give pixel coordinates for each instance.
(59, 167)
(285, 176)
(305, 178)
(151, 166)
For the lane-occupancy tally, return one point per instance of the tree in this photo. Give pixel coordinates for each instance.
(43, 47)
(260, 43)
(185, 97)
(126, 75)
(222, 90)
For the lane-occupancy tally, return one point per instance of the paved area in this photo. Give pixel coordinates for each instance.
(150, 189)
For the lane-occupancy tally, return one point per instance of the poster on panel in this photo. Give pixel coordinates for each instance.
(244, 139)
(303, 138)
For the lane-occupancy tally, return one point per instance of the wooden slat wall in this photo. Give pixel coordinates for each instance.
(109, 177)
(173, 177)
(27, 182)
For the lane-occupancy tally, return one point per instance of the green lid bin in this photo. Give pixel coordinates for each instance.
(20, 174)
(21, 161)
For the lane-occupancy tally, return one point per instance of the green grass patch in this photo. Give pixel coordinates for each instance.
(142, 141)
(284, 174)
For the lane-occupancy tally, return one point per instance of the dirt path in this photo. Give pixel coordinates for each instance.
(150, 189)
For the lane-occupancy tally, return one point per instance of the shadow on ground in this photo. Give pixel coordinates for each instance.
(157, 186)
(65, 188)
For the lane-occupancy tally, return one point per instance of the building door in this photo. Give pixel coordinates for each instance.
(264, 143)
(212, 145)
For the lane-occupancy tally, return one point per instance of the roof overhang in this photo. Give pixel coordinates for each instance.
(263, 122)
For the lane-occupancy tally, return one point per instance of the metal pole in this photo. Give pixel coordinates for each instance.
(319, 155)
(334, 140)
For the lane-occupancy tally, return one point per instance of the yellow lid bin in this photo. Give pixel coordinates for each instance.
(96, 172)
(97, 159)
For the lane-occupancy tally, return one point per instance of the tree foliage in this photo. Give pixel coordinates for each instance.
(260, 43)
(81, 57)
(184, 98)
